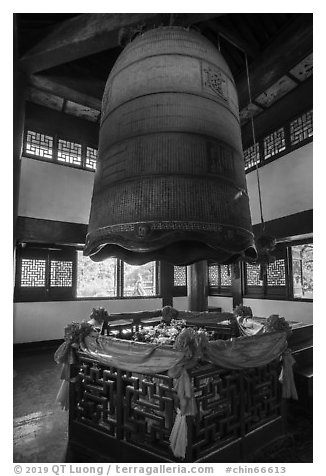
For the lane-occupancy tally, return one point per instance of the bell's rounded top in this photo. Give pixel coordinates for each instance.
(170, 40)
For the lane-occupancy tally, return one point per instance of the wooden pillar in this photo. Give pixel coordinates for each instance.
(167, 283)
(18, 128)
(236, 284)
(197, 284)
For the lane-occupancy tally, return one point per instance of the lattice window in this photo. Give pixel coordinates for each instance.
(40, 145)
(69, 152)
(276, 273)
(251, 156)
(180, 276)
(32, 273)
(91, 158)
(45, 274)
(252, 275)
(301, 128)
(213, 275)
(274, 143)
(226, 278)
(61, 274)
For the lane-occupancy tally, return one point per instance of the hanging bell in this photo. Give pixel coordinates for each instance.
(170, 181)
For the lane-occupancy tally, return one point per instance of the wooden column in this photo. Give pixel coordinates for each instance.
(236, 284)
(18, 128)
(167, 282)
(197, 284)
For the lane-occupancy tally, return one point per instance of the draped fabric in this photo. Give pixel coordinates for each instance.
(246, 351)
(287, 378)
(66, 356)
(178, 437)
(134, 356)
(236, 353)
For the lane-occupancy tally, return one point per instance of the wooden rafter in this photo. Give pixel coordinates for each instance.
(87, 34)
(291, 46)
(69, 89)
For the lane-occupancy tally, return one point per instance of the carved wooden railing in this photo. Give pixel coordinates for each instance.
(128, 417)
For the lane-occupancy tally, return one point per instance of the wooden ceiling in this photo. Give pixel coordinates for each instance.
(68, 57)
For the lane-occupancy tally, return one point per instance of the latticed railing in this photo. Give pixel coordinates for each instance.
(238, 411)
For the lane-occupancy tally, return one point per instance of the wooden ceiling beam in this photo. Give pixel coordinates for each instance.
(91, 33)
(296, 102)
(69, 89)
(291, 45)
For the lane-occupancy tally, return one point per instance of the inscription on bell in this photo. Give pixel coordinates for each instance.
(214, 80)
(142, 230)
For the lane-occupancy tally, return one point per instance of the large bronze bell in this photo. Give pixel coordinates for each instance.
(170, 181)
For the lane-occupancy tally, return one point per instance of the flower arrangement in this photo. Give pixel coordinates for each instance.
(162, 333)
(275, 323)
(176, 334)
(191, 342)
(76, 332)
(99, 315)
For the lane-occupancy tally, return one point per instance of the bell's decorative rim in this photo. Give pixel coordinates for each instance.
(135, 242)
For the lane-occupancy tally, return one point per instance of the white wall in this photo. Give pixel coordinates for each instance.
(286, 185)
(54, 192)
(41, 321)
(226, 303)
(290, 310)
(180, 303)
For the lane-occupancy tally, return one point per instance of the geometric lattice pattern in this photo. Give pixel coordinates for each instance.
(141, 408)
(61, 274)
(301, 128)
(262, 398)
(213, 275)
(226, 278)
(38, 144)
(180, 276)
(276, 273)
(91, 158)
(252, 275)
(69, 152)
(218, 397)
(32, 273)
(251, 156)
(274, 143)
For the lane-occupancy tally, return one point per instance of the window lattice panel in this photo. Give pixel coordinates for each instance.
(38, 144)
(252, 275)
(213, 275)
(276, 273)
(61, 274)
(251, 156)
(301, 128)
(32, 273)
(226, 275)
(69, 152)
(91, 158)
(274, 143)
(180, 276)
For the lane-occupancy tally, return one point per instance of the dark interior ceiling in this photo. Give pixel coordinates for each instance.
(68, 57)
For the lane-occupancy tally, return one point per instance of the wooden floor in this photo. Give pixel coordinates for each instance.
(41, 427)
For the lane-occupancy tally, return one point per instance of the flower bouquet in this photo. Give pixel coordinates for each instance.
(98, 317)
(275, 323)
